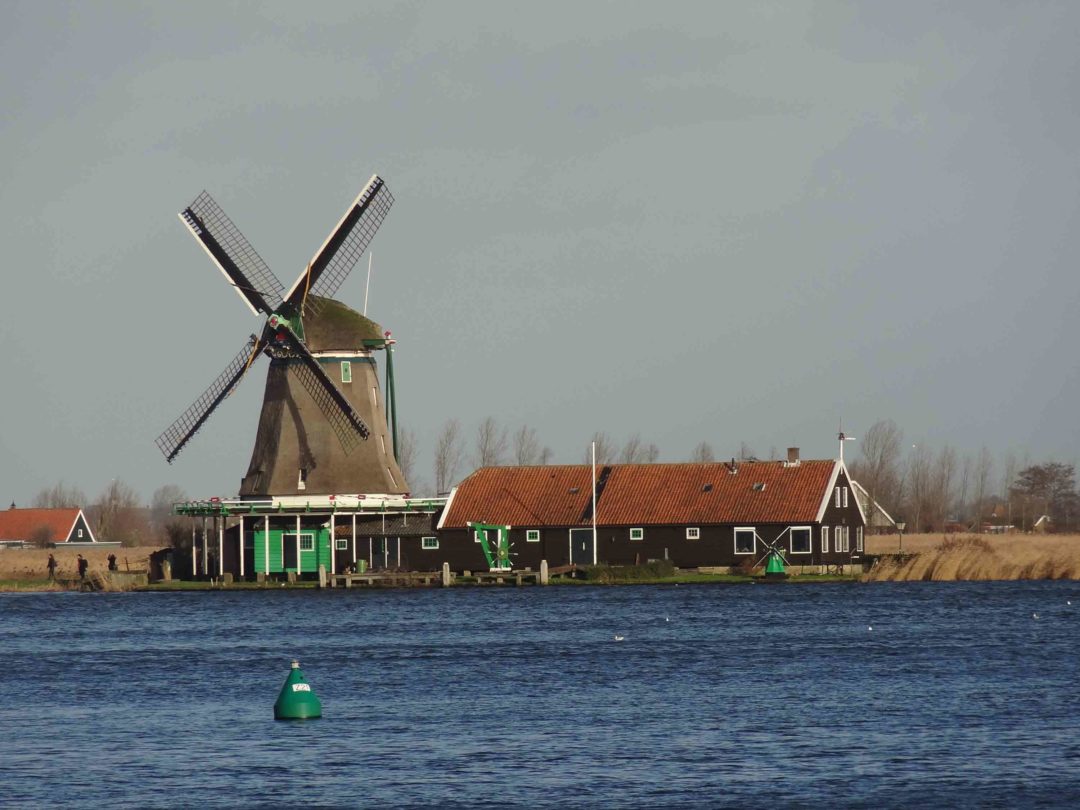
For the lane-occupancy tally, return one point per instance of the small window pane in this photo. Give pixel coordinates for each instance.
(532, 535)
(429, 542)
(307, 542)
(800, 541)
(693, 533)
(346, 371)
(744, 541)
(341, 544)
(637, 534)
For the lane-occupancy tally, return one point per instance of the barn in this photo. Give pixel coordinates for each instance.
(695, 515)
(43, 526)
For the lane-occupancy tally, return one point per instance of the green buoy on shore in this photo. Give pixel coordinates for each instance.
(774, 568)
(296, 701)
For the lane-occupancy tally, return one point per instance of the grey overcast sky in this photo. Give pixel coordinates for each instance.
(698, 221)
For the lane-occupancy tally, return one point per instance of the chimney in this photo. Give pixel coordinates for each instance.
(793, 455)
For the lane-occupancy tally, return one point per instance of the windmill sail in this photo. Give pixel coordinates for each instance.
(244, 268)
(173, 439)
(344, 246)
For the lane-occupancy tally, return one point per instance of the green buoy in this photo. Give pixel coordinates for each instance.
(774, 568)
(296, 701)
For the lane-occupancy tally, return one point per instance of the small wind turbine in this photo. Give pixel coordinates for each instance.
(843, 437)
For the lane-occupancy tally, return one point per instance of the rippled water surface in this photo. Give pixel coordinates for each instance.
(718, 696)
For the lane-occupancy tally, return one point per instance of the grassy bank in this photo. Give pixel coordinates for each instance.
(946, 558)
(22, 564)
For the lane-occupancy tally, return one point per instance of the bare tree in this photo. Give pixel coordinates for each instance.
(942, 486)
(652, 453)
(1008, 476)
(546, 456)
(984, 469)
(919, 475)
(746, 453)
(169, 529)
(965, 485)
(119, 516)
(702, 454)
(605, 449)
(490, 443)
(448, 456)
(878, 466)
(42, 536)
(527, 450)
(60, 496)
(406, 453)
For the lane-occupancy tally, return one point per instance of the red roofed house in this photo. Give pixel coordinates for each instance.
(696, 515)
(45, 525)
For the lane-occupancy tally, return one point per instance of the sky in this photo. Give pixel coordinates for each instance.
(723, 222)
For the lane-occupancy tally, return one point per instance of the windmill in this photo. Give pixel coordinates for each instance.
(322, 399)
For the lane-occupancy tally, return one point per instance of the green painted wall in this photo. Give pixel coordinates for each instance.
(309, 560)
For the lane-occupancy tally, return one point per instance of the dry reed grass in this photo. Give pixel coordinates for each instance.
(944, 558)
(32, 563)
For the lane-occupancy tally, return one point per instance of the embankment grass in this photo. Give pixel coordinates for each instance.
(28, 564)
(947, 558)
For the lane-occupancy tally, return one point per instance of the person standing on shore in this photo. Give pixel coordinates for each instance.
(82, 567)
(52, 568)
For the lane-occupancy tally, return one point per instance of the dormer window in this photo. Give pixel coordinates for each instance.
(301, 481)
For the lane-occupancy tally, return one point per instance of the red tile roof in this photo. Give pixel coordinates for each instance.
(20, 524)
(643, 494)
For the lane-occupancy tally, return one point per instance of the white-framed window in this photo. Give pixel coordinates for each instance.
(532, 535)
(637, 534)
(307, 540)
(745, 540)
(693, 533)
(301, 479)
(800, 539)
(824, 539)
(845, 497)
(858, 538)
(80, 534)
(837, 497)
(843, 540)
(341, 543)
(476, 535)
(346, 371)
(429, 543)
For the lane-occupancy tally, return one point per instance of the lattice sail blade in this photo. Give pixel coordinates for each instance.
(345, 245)
(230, 250)
(180, 432)
(343, 420)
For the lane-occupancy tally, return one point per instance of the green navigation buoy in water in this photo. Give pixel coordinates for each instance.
(296, 701)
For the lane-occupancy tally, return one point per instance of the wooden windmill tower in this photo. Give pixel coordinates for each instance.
(323, 427)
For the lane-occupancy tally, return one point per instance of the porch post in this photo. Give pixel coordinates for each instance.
(241, 546)
(333, 544)
(266, 545)
(299, 567)
(221, 546)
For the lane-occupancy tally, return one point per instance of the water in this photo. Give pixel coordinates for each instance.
(718, 696)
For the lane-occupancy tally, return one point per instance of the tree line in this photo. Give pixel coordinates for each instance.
(934, 489)
(118, 515)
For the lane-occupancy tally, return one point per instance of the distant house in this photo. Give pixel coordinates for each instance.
(45, 526)
(878, 521)
(696, 515)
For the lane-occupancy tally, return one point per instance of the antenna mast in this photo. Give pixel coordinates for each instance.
(367, 284)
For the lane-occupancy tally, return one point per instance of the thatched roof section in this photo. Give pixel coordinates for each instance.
(338, 327)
